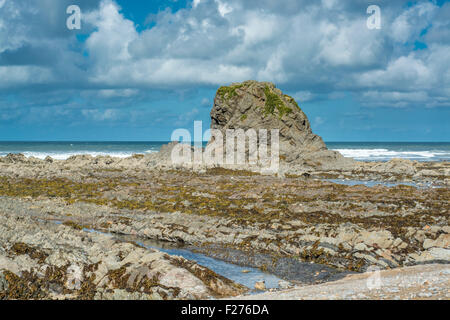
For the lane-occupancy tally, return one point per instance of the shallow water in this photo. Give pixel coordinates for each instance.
(246, 276)
(372, 183)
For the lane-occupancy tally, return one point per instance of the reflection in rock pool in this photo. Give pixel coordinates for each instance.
(246, 276)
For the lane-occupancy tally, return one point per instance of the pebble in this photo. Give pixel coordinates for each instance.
(282, 284)
(260, 285)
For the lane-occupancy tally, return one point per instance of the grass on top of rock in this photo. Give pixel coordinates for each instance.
(228, 91)
(291, 100)
(273, 101)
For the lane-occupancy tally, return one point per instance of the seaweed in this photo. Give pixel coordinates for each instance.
(21, 248)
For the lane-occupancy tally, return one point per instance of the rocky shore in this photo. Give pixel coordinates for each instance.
(349, 228)
(43, 260)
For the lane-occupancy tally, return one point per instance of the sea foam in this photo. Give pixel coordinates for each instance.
(385, 154)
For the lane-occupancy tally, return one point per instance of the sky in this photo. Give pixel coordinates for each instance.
(137, 70)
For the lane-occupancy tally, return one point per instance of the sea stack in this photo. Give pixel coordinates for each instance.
(260, 105)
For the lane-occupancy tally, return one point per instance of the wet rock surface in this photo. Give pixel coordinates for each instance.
(43, 260)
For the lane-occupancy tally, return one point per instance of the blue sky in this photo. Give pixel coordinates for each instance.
(137, 70)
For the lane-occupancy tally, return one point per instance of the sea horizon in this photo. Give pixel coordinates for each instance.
(359, 150)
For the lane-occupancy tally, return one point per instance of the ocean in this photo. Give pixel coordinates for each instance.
(364, 151)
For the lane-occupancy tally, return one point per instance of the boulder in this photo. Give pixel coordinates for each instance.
(15, 158)
(443, 241)
(260, 285)
(432, 255)
(382, 239)
(396, 166)
(260, 105)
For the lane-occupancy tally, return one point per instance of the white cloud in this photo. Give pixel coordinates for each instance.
(259, 27)
(410, 23)
(318, 121)
(162, 73)
(405, 71)
(100, 115)
(20, 75)
(394, 98)
(12, 32)
(223, 7)
(303, 96)
(350, 44)
(195, 3)
(205, 103)
(109, 44)
(111, 93)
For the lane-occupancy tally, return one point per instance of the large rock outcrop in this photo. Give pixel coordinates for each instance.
(260, 105)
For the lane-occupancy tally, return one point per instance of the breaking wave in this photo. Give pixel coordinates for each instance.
(385, 154)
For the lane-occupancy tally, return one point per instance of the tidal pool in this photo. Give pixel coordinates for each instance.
(372, 183)
(239, 266)
(246, 276)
